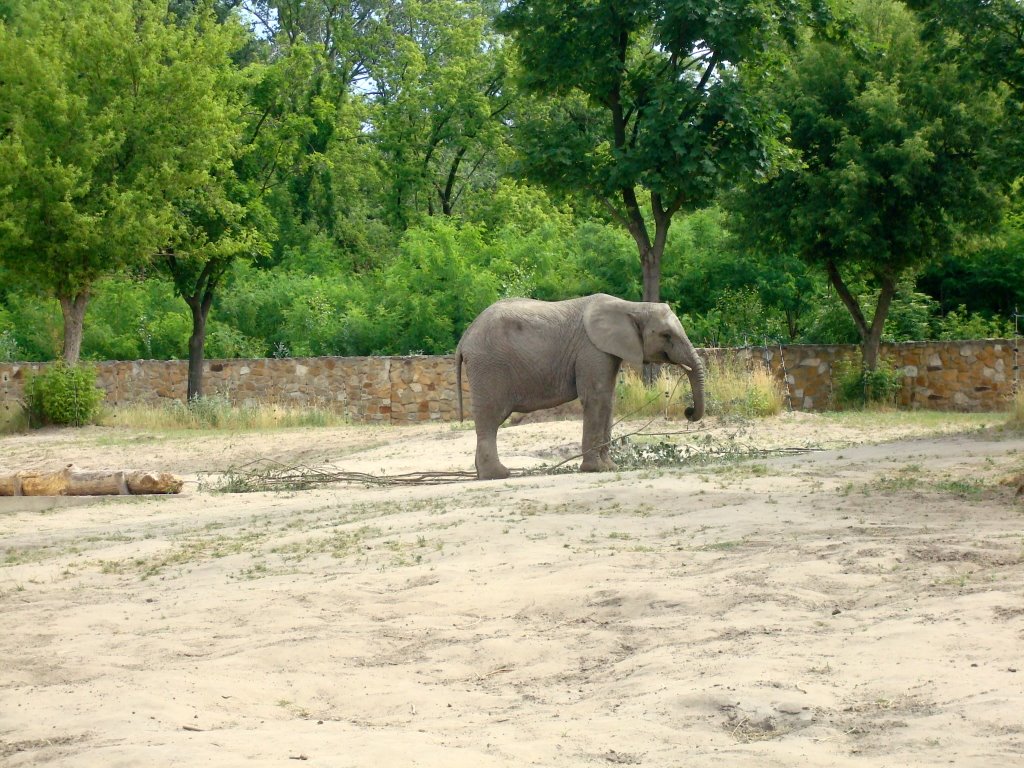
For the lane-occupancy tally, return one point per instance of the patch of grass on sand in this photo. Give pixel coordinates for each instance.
(217, 412)
(879, 419)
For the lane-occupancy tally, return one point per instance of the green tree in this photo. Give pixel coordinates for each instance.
(317, 164)
(109, 113)
(987, 278)
(225, 219)
(438, 106)
(658, 104)
(900, 160)
(989, 35)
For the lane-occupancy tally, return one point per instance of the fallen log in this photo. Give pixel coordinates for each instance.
(72, 481)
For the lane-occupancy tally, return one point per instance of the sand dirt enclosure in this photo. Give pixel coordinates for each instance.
(861, 604)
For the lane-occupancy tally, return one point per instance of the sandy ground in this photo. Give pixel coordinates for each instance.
(860, 604)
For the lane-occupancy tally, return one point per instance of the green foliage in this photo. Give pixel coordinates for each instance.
(131, 319)
(987, 36)
(960, 324)
(443, 286)
(8, 346)
(8, 342)
(111, 116)
(901, 160)
(437, 124)
(985, 277)
(652, 108)
(359, 183)
(34, 325)
(608, 261)
(64, 395)
(857, 387)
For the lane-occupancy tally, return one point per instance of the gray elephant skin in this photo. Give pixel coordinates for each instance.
(522, 355)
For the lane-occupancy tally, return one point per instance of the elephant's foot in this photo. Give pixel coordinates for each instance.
(493, 472)
(598, 464)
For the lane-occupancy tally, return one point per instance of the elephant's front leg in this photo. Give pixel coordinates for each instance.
(597, 400)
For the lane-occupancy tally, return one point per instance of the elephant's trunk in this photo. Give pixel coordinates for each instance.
(695, 371)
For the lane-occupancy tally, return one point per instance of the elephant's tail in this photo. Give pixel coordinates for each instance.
(458, 378)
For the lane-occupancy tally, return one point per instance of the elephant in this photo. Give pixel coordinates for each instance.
(522, 355)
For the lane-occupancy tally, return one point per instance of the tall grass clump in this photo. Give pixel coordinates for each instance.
(13, 418)
(217, 412)
(1016, 415)
(732, 388)
(744, 388)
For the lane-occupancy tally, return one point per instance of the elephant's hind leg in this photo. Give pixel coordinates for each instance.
(488, 465)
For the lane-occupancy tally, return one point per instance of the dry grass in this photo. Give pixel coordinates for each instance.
(732, 389)
(737, 388)
(218, 413)
(1016, 414)
(13, 418)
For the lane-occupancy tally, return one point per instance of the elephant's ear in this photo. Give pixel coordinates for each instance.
(613, 325)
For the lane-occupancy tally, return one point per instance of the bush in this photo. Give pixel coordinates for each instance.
(857, 387)
(63, 395)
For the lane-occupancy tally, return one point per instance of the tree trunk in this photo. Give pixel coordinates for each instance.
(197, 291)
(197, 343)
(871, 335)
(873, 342)
(73, 309)
(72, 481)
(652, 261)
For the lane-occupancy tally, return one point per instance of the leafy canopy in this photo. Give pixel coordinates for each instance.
(655, 103)
(900, 160)
(107, 114)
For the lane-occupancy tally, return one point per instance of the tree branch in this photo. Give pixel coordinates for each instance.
(848, 299)
(707, 72)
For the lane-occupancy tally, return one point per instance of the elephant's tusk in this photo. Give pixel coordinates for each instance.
(686, 368)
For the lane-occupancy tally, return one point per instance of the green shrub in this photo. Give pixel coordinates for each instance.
(65, 395)
(857, 387)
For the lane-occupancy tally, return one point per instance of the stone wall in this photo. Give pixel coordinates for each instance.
(938, 375)
(961, 375)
